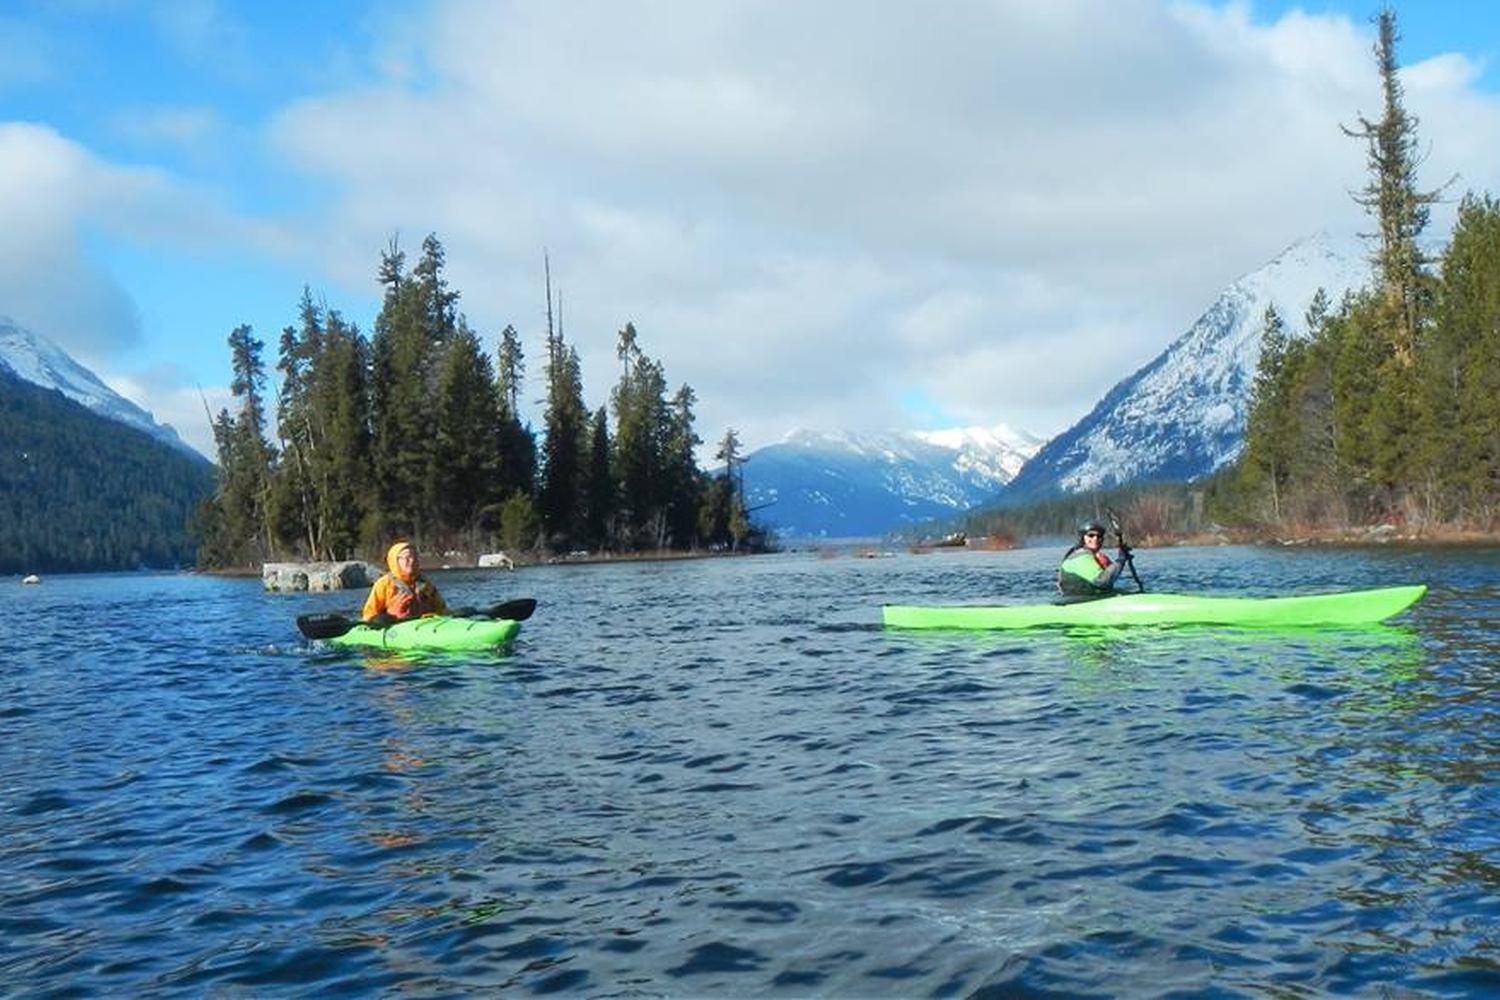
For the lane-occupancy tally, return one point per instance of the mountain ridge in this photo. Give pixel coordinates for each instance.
(1182, 414)
(33, 358)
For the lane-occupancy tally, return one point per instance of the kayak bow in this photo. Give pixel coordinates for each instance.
(1359, 607)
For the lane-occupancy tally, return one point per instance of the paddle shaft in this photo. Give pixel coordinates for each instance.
(1114, 521)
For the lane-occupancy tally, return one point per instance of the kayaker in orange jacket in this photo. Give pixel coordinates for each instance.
(403, 592)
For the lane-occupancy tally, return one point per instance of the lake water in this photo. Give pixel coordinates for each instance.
(722, 777)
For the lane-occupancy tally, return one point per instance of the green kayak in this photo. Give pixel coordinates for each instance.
(1359, 607)
(437, 632)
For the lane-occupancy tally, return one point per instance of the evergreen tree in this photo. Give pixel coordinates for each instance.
(599, 485)
(642, 423)
(245, 460)
(341, 395)
(1358, 359)
(437, 304)
(1316, 492)
(1400, 210)
(517, 447)
(520, 524)
(722, 520)
(465, 440)
(404, 353)
(685, 484)
(1461, 369)
(293, 515)
(1269, 428)
(566, 422)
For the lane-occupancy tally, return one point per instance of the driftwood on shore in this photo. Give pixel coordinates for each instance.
(297, 576)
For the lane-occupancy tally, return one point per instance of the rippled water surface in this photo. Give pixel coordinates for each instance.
(721, 777)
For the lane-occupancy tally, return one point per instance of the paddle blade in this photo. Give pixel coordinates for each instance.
(518, 610)
(325, 626)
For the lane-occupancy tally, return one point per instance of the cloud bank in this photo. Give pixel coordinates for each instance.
(807, 209)
(829, 215)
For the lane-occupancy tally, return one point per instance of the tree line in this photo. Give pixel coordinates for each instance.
(1390, 409)
(416, 432)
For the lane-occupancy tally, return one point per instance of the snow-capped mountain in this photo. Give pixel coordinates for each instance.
(1183, 414)
(848, 485)
(37, 360)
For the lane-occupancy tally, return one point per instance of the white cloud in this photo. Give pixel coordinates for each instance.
(806, 208)
(55, 194)
(47, 281)
(812, 212)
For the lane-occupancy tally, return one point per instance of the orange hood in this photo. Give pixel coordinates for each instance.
(390, 561)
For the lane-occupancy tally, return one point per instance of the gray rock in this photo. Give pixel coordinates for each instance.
(290, 576)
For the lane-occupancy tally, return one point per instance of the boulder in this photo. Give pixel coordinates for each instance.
(493, 559)
(289, 576)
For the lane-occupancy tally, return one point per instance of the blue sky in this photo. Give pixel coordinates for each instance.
(835, 215)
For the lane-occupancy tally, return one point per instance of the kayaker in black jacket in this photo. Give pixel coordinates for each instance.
(1086, 571)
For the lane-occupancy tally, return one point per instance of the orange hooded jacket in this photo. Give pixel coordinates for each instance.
(402, 597)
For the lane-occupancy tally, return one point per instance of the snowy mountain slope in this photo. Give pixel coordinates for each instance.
(1183, 414)
(37, 360)
(846, 485)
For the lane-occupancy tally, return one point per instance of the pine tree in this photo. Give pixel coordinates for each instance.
(1405, 287)
(465, 439)
(341, 398)
(599, 485)
(685, 486)
(1269, 429)
(1314, 489)
(1358, 360)
(642, 424)
(722, 519)
(245, 459)
(1400, 210)
(517, 446)
(294, 516)
(565, 420)
(1461, 368)
(403, 359)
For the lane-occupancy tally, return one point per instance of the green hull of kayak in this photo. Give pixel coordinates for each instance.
(436, 632)
(1360, 607)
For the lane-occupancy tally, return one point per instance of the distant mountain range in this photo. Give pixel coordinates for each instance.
(1183, 414)
(35, 359)
(847, 485)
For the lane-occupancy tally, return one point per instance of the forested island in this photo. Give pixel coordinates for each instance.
(415, 432)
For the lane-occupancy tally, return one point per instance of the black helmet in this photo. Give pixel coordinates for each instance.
(1087, 526)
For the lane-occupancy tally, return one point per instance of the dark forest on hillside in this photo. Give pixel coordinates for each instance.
(81, 492)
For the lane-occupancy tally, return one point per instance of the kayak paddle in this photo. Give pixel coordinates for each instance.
(1114, 522)
(329, 626)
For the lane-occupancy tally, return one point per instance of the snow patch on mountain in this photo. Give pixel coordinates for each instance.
(1183, 414)
(37, 360)
(848, 484)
